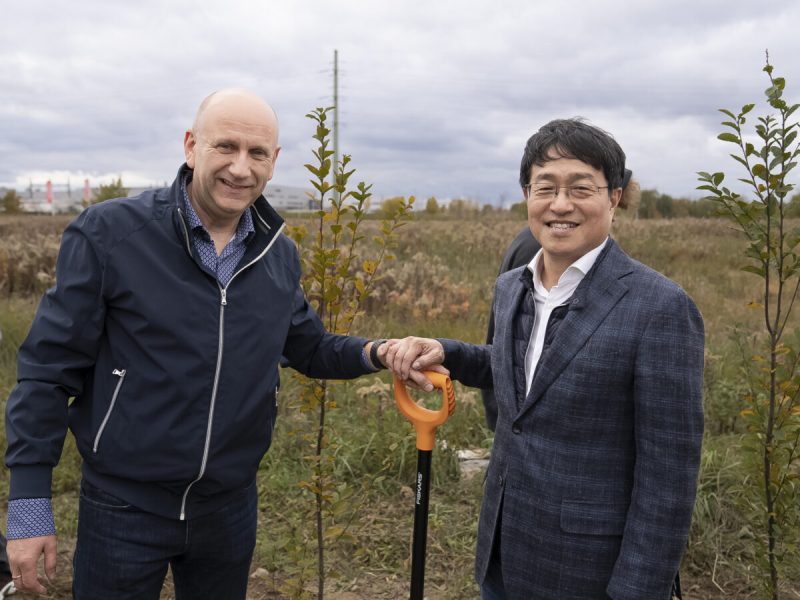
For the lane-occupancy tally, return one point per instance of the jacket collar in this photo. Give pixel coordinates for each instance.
(597, 294)
(267, 222)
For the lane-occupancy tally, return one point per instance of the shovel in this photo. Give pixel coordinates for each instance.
(425, 422)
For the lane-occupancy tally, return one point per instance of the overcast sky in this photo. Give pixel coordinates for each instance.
(436, 97)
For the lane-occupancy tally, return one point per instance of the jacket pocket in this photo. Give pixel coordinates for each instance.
(100, 499)
(593, 518)
(121, 375)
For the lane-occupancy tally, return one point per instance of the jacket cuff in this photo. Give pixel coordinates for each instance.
(31, 481)
(468, 363)
(451, 351)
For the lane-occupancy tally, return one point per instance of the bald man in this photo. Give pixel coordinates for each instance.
(171, 312)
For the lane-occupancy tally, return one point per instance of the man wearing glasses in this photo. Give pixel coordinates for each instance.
(597, 367)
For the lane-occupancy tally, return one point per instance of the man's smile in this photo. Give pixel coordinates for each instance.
(561, 225)
(235, 186)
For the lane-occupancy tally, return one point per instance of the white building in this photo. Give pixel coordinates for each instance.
(66, 199)
(289, 198)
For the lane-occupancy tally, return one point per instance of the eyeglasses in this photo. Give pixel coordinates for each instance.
(548, 191)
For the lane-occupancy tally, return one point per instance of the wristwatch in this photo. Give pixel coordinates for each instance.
(373, 354)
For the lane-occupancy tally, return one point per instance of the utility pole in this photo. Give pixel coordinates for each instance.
(335, 119)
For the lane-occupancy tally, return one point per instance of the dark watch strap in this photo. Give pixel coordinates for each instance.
(373, 354)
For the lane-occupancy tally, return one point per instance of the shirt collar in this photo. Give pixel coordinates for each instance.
(574, 273)
(244, 230)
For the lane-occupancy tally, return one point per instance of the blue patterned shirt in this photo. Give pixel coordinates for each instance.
(224, 264)
(30, 517)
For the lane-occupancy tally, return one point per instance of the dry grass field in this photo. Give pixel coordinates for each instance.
(441, 285)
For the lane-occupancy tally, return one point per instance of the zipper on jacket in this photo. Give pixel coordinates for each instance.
(207, 444)
(121, 374)
(257, 258)
(220, 347)
(185, 232)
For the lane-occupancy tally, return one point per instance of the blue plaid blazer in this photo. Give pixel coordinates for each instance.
(591, 484)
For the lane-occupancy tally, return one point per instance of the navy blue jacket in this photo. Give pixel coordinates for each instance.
(173, 378)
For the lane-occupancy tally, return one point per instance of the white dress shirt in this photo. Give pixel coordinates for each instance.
(546, 300)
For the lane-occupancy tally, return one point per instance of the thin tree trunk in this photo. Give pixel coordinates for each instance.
(318, 494)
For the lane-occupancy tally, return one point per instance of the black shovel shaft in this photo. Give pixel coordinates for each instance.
(420, 524)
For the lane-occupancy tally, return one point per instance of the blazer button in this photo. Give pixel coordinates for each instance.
(500, 480)
(516, 429)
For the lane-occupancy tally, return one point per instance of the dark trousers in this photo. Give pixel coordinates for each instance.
(123, 552)
(4, 568)
(492, 587)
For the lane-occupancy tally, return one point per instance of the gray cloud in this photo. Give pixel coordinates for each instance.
(436, 98)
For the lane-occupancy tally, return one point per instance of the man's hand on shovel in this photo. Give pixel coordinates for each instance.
(409, 357)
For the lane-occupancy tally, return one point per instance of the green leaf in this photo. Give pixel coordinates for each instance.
(728, 137)
(747, 108)
(361, 288)
(709, 188)
(777, 161)
(369, 266)
(739, 159)
(753, 269)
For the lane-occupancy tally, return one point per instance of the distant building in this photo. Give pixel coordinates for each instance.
(65, 199)
(289, 198)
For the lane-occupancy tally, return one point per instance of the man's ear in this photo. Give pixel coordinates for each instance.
(616, 196)
(272, 165)
(189, 144)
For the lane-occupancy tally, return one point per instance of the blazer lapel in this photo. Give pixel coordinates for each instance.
(593, 299)
(507, 298)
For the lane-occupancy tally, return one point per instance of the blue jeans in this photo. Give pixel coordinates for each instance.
(123, 553)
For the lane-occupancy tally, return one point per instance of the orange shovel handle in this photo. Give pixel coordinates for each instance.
(426, 421)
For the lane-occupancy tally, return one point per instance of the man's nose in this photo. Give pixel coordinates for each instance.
(240, 165)
(561, 202)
